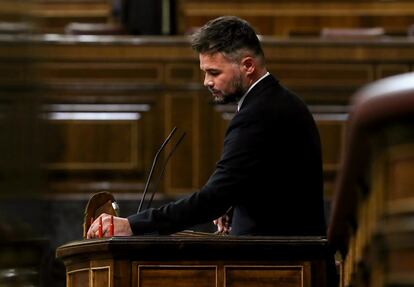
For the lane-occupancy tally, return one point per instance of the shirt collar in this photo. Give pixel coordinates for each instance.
(239, 104)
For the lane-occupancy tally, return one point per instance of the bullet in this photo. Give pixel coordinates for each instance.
(100, 228)
(111, 226)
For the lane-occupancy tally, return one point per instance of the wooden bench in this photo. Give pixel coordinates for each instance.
(373, 210)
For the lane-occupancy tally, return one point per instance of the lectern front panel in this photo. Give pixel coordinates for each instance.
(191, 261)
(264, 276)
(77, 278)
(176, 276)
(101, 276)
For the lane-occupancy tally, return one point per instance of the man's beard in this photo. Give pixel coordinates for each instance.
(233, 97)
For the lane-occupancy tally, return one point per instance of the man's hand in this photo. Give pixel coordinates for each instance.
(121, 227)
(223, 224)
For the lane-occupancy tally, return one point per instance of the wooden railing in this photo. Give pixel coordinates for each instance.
(373, 210)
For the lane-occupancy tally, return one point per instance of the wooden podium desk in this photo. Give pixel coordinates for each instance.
(198, 261)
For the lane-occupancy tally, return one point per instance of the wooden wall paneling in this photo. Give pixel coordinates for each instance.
(16, 65)
(98, 136)
(117, 151)
(115, 49)
(182, 111)
(207, 133)
(194, 161)
(165, 72)
(323, 83)
(182, 73)
(327, 75)
(154, 130)
(100, 72)
(399, 180)
(331, 128)
(220, 125)
(174, 49)
(281, 18)
(287, 18)
(401, 171)
(13, 73)
(221, 119)
(309, 25)
(107, 144)
(324, 96)
(115, 143)
(395, 25)
(10, 11)
(339, 52)
(332, 133)
(52, 16)
(387, 70)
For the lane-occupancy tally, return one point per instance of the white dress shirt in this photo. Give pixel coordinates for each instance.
(239, 104)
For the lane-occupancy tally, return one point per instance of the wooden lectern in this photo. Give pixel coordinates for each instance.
(188, 260)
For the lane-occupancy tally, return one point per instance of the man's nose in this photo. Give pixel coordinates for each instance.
(208, 82)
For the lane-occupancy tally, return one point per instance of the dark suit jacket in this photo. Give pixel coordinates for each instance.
(270, 171)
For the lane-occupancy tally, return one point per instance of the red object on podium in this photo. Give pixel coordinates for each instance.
(111, 226)
(100, 228)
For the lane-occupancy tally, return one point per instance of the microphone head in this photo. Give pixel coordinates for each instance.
(115, 206)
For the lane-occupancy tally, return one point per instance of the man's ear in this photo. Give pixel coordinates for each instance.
(248, 64)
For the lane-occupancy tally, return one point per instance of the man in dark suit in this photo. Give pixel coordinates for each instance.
(270, 171)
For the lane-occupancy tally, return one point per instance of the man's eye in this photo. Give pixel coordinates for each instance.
(214, 73)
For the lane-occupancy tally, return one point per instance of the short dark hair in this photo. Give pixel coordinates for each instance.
(229, 35)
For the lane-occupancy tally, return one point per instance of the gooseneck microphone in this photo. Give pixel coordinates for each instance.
(154, 163)
(163, 169)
